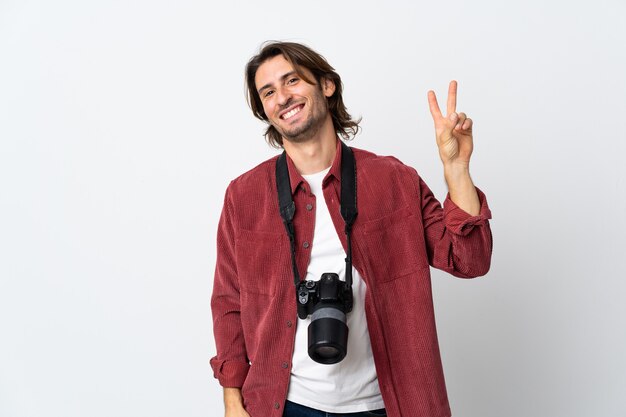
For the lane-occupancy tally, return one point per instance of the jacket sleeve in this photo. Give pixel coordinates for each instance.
(456, 242)
(231, 364)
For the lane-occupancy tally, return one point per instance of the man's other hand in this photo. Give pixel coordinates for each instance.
(233, 403)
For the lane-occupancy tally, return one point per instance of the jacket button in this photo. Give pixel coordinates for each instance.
(309, 207)
(276, 406)
(289, 323)
(306, 245)
(285, 365)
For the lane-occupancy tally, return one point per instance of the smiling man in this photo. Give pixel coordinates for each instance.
(322, 302)
(287, 116)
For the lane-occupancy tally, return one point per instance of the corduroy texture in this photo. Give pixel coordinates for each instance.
(401, 229)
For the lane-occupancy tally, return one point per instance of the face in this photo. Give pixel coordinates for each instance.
(294, 107)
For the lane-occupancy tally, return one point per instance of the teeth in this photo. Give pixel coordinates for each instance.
(291, 113)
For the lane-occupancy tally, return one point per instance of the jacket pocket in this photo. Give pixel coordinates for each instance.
(395, 245)
(259, 257)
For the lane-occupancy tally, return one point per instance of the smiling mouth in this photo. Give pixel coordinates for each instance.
(292, 112)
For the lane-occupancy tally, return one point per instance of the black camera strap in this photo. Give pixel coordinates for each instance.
(348, 205)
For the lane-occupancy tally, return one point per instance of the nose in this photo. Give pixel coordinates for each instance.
(283, 96)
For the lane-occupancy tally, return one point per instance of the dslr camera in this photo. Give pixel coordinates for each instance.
(327, 301)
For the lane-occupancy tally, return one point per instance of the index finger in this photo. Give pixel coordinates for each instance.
(452, 97)
(434, 106)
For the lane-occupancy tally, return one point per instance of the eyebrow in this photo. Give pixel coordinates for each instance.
(282, 78)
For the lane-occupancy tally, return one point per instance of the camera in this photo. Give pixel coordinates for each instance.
(327, 301)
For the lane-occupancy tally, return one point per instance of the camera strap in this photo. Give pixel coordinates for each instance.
(348, 205)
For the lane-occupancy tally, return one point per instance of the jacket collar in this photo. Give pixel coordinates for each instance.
(335, 170)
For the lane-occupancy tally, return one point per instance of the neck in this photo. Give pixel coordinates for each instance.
(316, 154)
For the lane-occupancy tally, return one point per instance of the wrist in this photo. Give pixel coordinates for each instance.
(232, 398)
(456, 173)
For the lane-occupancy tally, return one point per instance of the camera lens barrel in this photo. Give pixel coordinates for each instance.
(328, 334)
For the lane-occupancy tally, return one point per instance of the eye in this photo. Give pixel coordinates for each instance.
(292, 80)
(268, 93)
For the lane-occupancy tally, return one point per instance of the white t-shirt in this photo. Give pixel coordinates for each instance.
(350, 385)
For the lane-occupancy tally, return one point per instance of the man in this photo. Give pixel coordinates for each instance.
(392, 366)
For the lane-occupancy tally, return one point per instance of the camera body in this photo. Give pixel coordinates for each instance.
(329, 291)
(327, 301)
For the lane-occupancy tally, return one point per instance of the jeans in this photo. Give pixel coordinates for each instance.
(297, 410)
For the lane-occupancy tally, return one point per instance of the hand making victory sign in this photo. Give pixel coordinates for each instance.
(456, 143)
(454, 131)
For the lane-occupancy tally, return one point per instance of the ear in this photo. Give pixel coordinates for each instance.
(328, 87)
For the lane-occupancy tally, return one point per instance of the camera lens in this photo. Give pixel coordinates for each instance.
(328, 334)
(327, 352)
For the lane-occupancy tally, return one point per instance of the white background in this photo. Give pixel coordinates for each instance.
(122, 122)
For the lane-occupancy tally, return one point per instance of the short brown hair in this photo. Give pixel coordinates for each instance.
(299, 56)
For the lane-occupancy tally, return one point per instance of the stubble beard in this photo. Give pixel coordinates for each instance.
(302, 133)
(311, 126)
